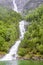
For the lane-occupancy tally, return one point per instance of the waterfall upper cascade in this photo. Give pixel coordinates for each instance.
(15, 6)
(13, 51)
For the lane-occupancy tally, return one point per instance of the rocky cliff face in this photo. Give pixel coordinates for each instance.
(32, 4)
(7, 3)
(28, 4)
(21, 4)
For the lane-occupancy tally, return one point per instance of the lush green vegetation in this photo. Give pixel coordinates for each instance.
(32, 44)
(21, 62)
(9, 29)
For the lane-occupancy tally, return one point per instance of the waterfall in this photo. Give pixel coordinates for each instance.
(13, 51)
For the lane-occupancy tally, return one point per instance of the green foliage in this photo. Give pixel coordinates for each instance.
(9, 29)
(40, 48)
(33, 39)
(35, 14)
(22, 51)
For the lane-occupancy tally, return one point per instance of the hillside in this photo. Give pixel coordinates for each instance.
(31, 46)
(9, 29)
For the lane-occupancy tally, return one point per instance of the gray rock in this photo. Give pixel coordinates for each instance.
(32, 4)
(7, 3)
(21, 4)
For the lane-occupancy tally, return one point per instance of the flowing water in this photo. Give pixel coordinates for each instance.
(13, 51)
(15, 7)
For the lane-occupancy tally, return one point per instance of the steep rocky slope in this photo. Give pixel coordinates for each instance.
(7, 3)
(21, 4)
(32, 4)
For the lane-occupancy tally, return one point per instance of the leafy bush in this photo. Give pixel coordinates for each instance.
(40, 48)
(22, 51)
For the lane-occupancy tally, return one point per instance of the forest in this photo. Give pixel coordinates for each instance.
(9, 29)
(32, 44)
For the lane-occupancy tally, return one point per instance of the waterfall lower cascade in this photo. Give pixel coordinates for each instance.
(13, 51)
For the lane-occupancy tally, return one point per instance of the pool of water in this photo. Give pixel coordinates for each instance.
(21, 62)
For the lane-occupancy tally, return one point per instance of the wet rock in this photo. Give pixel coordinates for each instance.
(35, 58)
(1, 56)
(13, 55)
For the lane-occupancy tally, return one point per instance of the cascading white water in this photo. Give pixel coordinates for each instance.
(15, 6)
(13, 51)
